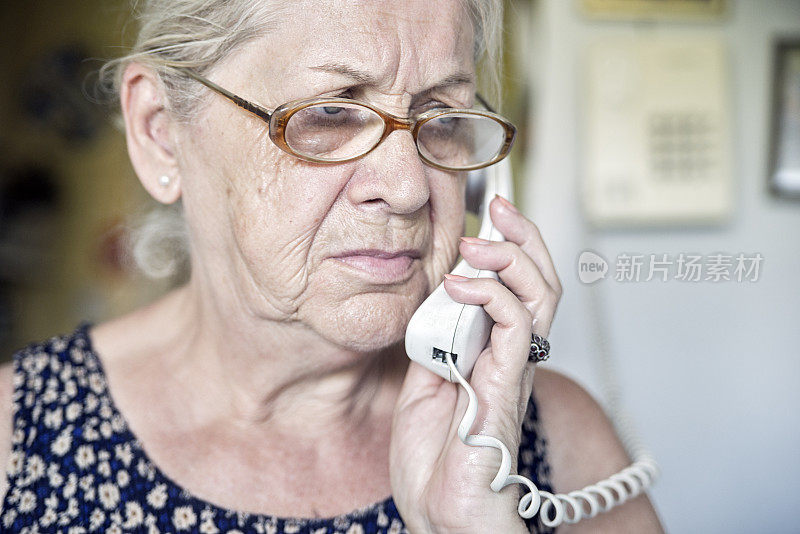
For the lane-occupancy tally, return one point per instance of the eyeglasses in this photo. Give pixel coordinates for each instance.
(335, 130)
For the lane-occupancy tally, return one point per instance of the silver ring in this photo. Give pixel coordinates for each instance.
(540, 349)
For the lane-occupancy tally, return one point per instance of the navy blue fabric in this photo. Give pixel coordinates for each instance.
(76, 467)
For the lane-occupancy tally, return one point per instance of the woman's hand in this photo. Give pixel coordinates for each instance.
(439, 484)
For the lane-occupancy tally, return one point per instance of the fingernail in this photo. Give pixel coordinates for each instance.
(475, 241)
(507, 204)
(456, 278)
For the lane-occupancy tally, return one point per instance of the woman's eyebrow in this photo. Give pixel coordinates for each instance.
(365, 78)
(361, 77)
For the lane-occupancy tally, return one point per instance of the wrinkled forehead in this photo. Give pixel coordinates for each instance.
(391, 45)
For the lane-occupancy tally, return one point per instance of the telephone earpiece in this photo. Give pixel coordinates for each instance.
(440, 325)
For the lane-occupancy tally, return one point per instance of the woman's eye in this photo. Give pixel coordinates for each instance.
(332, 110)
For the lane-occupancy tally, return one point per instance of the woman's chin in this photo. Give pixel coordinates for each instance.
(367, 322)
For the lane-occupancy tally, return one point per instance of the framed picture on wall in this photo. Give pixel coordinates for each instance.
(784, 172)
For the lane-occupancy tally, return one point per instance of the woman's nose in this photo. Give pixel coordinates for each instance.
(392, 175)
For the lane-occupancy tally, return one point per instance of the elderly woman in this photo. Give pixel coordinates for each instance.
(271, 392)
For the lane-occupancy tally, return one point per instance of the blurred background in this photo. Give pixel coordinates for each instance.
(659, 153)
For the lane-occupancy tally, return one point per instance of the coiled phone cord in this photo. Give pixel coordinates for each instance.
(613, 491)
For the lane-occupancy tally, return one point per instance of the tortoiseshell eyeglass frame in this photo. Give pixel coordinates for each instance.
(279, 117)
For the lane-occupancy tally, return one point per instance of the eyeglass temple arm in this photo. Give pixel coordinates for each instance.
(241, 102)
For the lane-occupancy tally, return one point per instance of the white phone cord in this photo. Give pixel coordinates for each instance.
(614, 490)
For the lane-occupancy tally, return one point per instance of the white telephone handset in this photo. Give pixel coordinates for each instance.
(447, 337)
(440, 325)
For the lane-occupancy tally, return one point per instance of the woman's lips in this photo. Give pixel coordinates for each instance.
(381, 266)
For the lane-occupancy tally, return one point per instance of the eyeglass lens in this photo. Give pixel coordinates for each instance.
(340, 131)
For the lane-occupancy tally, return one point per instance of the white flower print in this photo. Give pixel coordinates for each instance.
(73, 411)
(341, 522)
(291, 528)
(183, 517)
(51, 501)
(53, 418)
(105, 429)
(134, 515)
(27, 502)
(86, 481)
(17, 436)
(35, 468)
(66, 372)
(72, 508)
(70, 389)
(77, 355)
(115, 517)
(84, 456)
(91, 402)
(15, 462)
(124, 453)
(36, 413)
(97, 519)
(48, 517)
(157, 496)
(145, 469)
(96, 382)
(9, 517)
(61, 445)
(90, 433)
(355, 528)
(58, 344)
(114, 530)
(117, 423)
(527, 456)
(320, 530)
(70, 486)
(123, 478)
(383, 519)
(104, 469)
(208, 527)
(108, 494)
(396, 527)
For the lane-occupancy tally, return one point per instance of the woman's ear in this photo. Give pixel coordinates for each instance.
(149, 130)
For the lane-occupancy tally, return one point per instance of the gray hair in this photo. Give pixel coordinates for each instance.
(199, 33)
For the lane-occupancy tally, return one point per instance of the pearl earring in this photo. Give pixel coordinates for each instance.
(164, 180)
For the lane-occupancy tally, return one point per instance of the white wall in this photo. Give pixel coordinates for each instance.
(711, 372)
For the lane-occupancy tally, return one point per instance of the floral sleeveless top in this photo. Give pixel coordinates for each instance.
(75, 467)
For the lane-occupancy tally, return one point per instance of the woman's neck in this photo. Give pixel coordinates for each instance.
(256, 374)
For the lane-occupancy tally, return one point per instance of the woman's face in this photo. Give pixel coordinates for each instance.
(348, 250)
